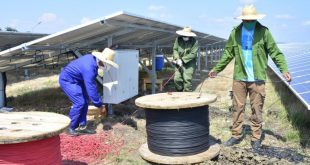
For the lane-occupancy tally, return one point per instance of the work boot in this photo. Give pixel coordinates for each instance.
(256, 145)
(232, 141)
(72, 132)
(85, 130)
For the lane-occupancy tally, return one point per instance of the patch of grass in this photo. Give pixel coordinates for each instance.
(36, 84)
(40, 94)
(299, 119)
(292, 135)
(124, 159)
(51, 82)
(292, 115)
(168, 69)
(49, 100)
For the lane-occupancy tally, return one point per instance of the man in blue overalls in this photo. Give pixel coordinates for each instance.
(77, 80)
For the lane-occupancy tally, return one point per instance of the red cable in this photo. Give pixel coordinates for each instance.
(63, 149)
(171, 76)
(41, 152)
(88, 149)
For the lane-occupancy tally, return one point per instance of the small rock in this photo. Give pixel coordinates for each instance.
(107, 126)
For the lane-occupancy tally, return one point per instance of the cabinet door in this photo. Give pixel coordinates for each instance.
(125, 78)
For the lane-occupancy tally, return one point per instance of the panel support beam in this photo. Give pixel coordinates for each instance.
(143, 27)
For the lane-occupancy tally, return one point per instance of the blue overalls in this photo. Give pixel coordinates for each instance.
(77, 80)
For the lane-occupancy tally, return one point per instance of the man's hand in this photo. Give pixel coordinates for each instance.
(212, 74)
(102, 111)
(179, 62)
(287, 76)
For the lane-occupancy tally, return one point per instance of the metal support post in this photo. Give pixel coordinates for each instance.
(199, 59)
(154, 77)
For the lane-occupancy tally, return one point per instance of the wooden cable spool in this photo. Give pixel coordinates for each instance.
(178, 108)
(21, 133)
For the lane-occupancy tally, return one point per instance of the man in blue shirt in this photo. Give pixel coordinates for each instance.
(77, 80)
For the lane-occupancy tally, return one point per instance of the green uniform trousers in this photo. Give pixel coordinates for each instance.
(183, 78)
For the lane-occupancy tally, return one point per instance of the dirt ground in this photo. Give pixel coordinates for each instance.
(286, 143)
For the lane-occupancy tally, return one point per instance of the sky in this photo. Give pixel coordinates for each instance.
(288, 20)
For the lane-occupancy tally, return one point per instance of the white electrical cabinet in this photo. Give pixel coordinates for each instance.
(122, 83)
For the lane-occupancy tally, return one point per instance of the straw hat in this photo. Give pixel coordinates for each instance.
(187, 31)
(249, 13)
(107, 56)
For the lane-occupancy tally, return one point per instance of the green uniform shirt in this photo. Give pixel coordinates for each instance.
(263, 45)
(186, 50)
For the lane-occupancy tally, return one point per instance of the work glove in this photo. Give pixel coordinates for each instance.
(179, 62)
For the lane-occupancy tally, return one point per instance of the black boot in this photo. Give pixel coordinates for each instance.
(232, 141)
(85, 130)
(72, 132)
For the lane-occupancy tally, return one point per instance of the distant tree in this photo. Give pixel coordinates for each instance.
(10, 29)
(0, 29)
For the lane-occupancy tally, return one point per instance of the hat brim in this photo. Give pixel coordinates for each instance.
(113, 64)
(251, 17)
(98, 55)
(188, 34)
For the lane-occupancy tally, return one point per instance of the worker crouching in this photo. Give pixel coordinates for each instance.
(77, 80)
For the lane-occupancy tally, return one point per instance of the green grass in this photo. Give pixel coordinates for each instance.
(128, 159)
(292, 135)
(292, 117)
(40, 94)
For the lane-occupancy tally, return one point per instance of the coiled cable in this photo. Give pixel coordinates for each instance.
(178, 132)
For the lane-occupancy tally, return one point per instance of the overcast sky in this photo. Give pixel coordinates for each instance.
(288, 20)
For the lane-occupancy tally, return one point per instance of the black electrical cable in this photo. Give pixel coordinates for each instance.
(178, 132)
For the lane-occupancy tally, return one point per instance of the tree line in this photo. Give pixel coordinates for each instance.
(9, 29)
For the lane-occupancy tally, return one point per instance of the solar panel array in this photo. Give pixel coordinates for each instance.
(298, 59)
(125, 30)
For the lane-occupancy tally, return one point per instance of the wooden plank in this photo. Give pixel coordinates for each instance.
(175, 100)
(17, 127)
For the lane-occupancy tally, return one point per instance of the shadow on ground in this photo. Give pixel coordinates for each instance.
(124, 114)
(47, 100)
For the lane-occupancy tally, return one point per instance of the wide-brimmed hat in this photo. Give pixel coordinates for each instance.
(249, 13)
(107, 56)
(187, 31)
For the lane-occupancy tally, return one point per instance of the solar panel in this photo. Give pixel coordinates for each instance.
(126, 30)
(10, 39)
(298, 57)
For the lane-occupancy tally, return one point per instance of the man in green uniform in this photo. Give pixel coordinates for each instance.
(185, 56)
(250, 43)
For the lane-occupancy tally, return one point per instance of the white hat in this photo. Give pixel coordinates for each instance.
(249, 13)
(107, 56)
(187, 31)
